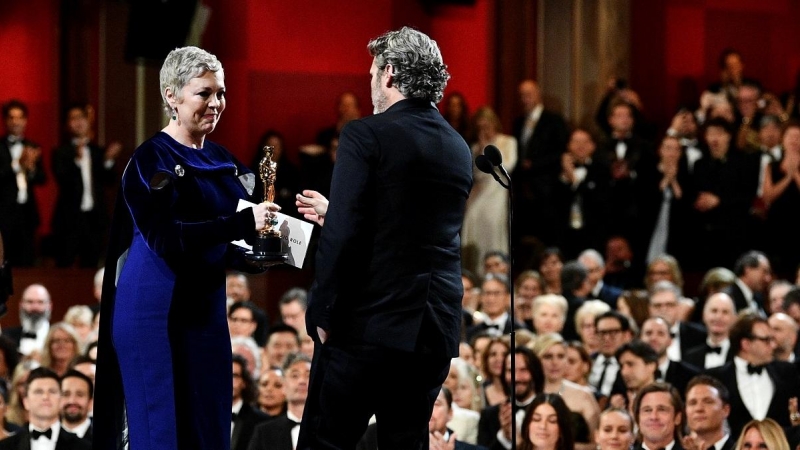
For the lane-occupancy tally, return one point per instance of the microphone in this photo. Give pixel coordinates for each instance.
(496, 159)
(484, 165)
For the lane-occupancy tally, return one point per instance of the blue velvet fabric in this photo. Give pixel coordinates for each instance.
(165, 351)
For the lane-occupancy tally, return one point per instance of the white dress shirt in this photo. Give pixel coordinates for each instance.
(27, 344)
(235, 409)
(80, 429)
(717, 360)
(43, 443)
(530, 124)
(499, 322)
(295, 429)
(756, 390)
(22, 182)
(597, 371)
(667, 447)
(674, 349)
(84, 162)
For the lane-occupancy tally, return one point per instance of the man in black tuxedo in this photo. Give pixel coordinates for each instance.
(494, 427)
(753, 274)
(42, 396)
(385, 306)
(21, 170)
(707, 408)
(658, 411)
(784, 332)
(655, 333)
(542, 138)
(759, 386)
(77, 390)
(495, 302)
(281, 433)
(665, 302)
(613, 331)
(35, 308)
(82, 170)
(596, 266)
(245, 416)
(719, 315)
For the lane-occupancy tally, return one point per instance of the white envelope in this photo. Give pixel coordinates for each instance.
(294, 232)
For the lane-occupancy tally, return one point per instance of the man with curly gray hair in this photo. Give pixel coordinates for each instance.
(385, 308)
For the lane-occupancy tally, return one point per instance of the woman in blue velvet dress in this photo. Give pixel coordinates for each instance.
(164, 361)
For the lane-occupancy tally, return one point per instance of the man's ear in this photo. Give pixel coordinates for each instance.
(388, 71)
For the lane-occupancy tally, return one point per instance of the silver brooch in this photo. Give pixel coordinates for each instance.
(179, 170)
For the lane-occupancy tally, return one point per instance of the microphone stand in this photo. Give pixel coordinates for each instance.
(513, 343)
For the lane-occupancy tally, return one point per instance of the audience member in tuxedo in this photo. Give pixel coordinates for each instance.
(242, 319)
(707, 409)
(593, 261)
(584, 323)
(724, 196)
(764, 433)
(638, 366)
(494, 429)
(753, 274)
(44, 431)
(485, 226)
(245, 416)
(658, 410)
(492, 361)
(542, 136)
(441, 437)
(616, 430)
(664, 210)
(585, 412)
(527, 286)
(624, 153)
(495, 303)
(578, 365)
(613, 330)
(621, 269)
(237, 289)
(21, 170)
(635, 303)
(760, 387)
(782, 196)
(576, 287)
(83, 169)
(767, 150)
(665, 302)
(581, 196)
(550, 264)
(287, 178)
(547, 425)
(282, 341)
(618, 91)
(784, 332)
(549, 314)
(61, 346)
(456, 112)
(775, 295)
(719, 315)
(684, 128)
(35, 308)
(655, 333)
(271, 395)
(281, 433)
(77, 391)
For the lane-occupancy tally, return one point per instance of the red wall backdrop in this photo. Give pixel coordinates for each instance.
(675, 45)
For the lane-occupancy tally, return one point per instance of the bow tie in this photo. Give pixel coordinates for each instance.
(294, 423)
(28, 334)
(36, 434)
(710, 349)
(486, 326)
(751, 369)
(14, 139)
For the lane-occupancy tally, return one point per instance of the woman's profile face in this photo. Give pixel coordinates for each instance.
(543, 430)
(575, 368)
(202, 102)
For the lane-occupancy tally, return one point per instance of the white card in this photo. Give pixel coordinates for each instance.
(294, 232)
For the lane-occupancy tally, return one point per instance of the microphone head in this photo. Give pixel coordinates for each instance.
(483, 164)
(493, 154)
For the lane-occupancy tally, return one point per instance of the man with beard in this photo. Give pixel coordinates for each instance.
(77, 392)
(658, 410)
(655, 333)
(494, 428)
(34, 315)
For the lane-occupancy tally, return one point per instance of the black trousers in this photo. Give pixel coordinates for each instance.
(352, 381)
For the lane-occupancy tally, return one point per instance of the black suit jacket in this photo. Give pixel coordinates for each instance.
(593, 194)
(388, 268)
(478, 328)
(609, 294)
(787, 384)
(696, 356)
(244, 425)
(677, 445)
(370, 441)
(740, 301)
(679, 374)
(273, 435)
(66, 441)
(691, 335)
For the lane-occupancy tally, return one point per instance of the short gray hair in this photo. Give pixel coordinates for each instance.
(181, 65)
(666, 286)
(419, 71)
(595, 255)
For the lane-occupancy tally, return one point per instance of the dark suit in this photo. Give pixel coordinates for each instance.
(591, 197)
(370, 441)
(18, 222)
(622, 209)
(481, 327)
(535, 176)
(66, 441)
(696, 356)
(273, 435)
(388, 275)
(76, 232)
(740, 301)
(609, 295)
(677, 446)
(784, 377)
(243, 426)
(679, 374)
(691, 334)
